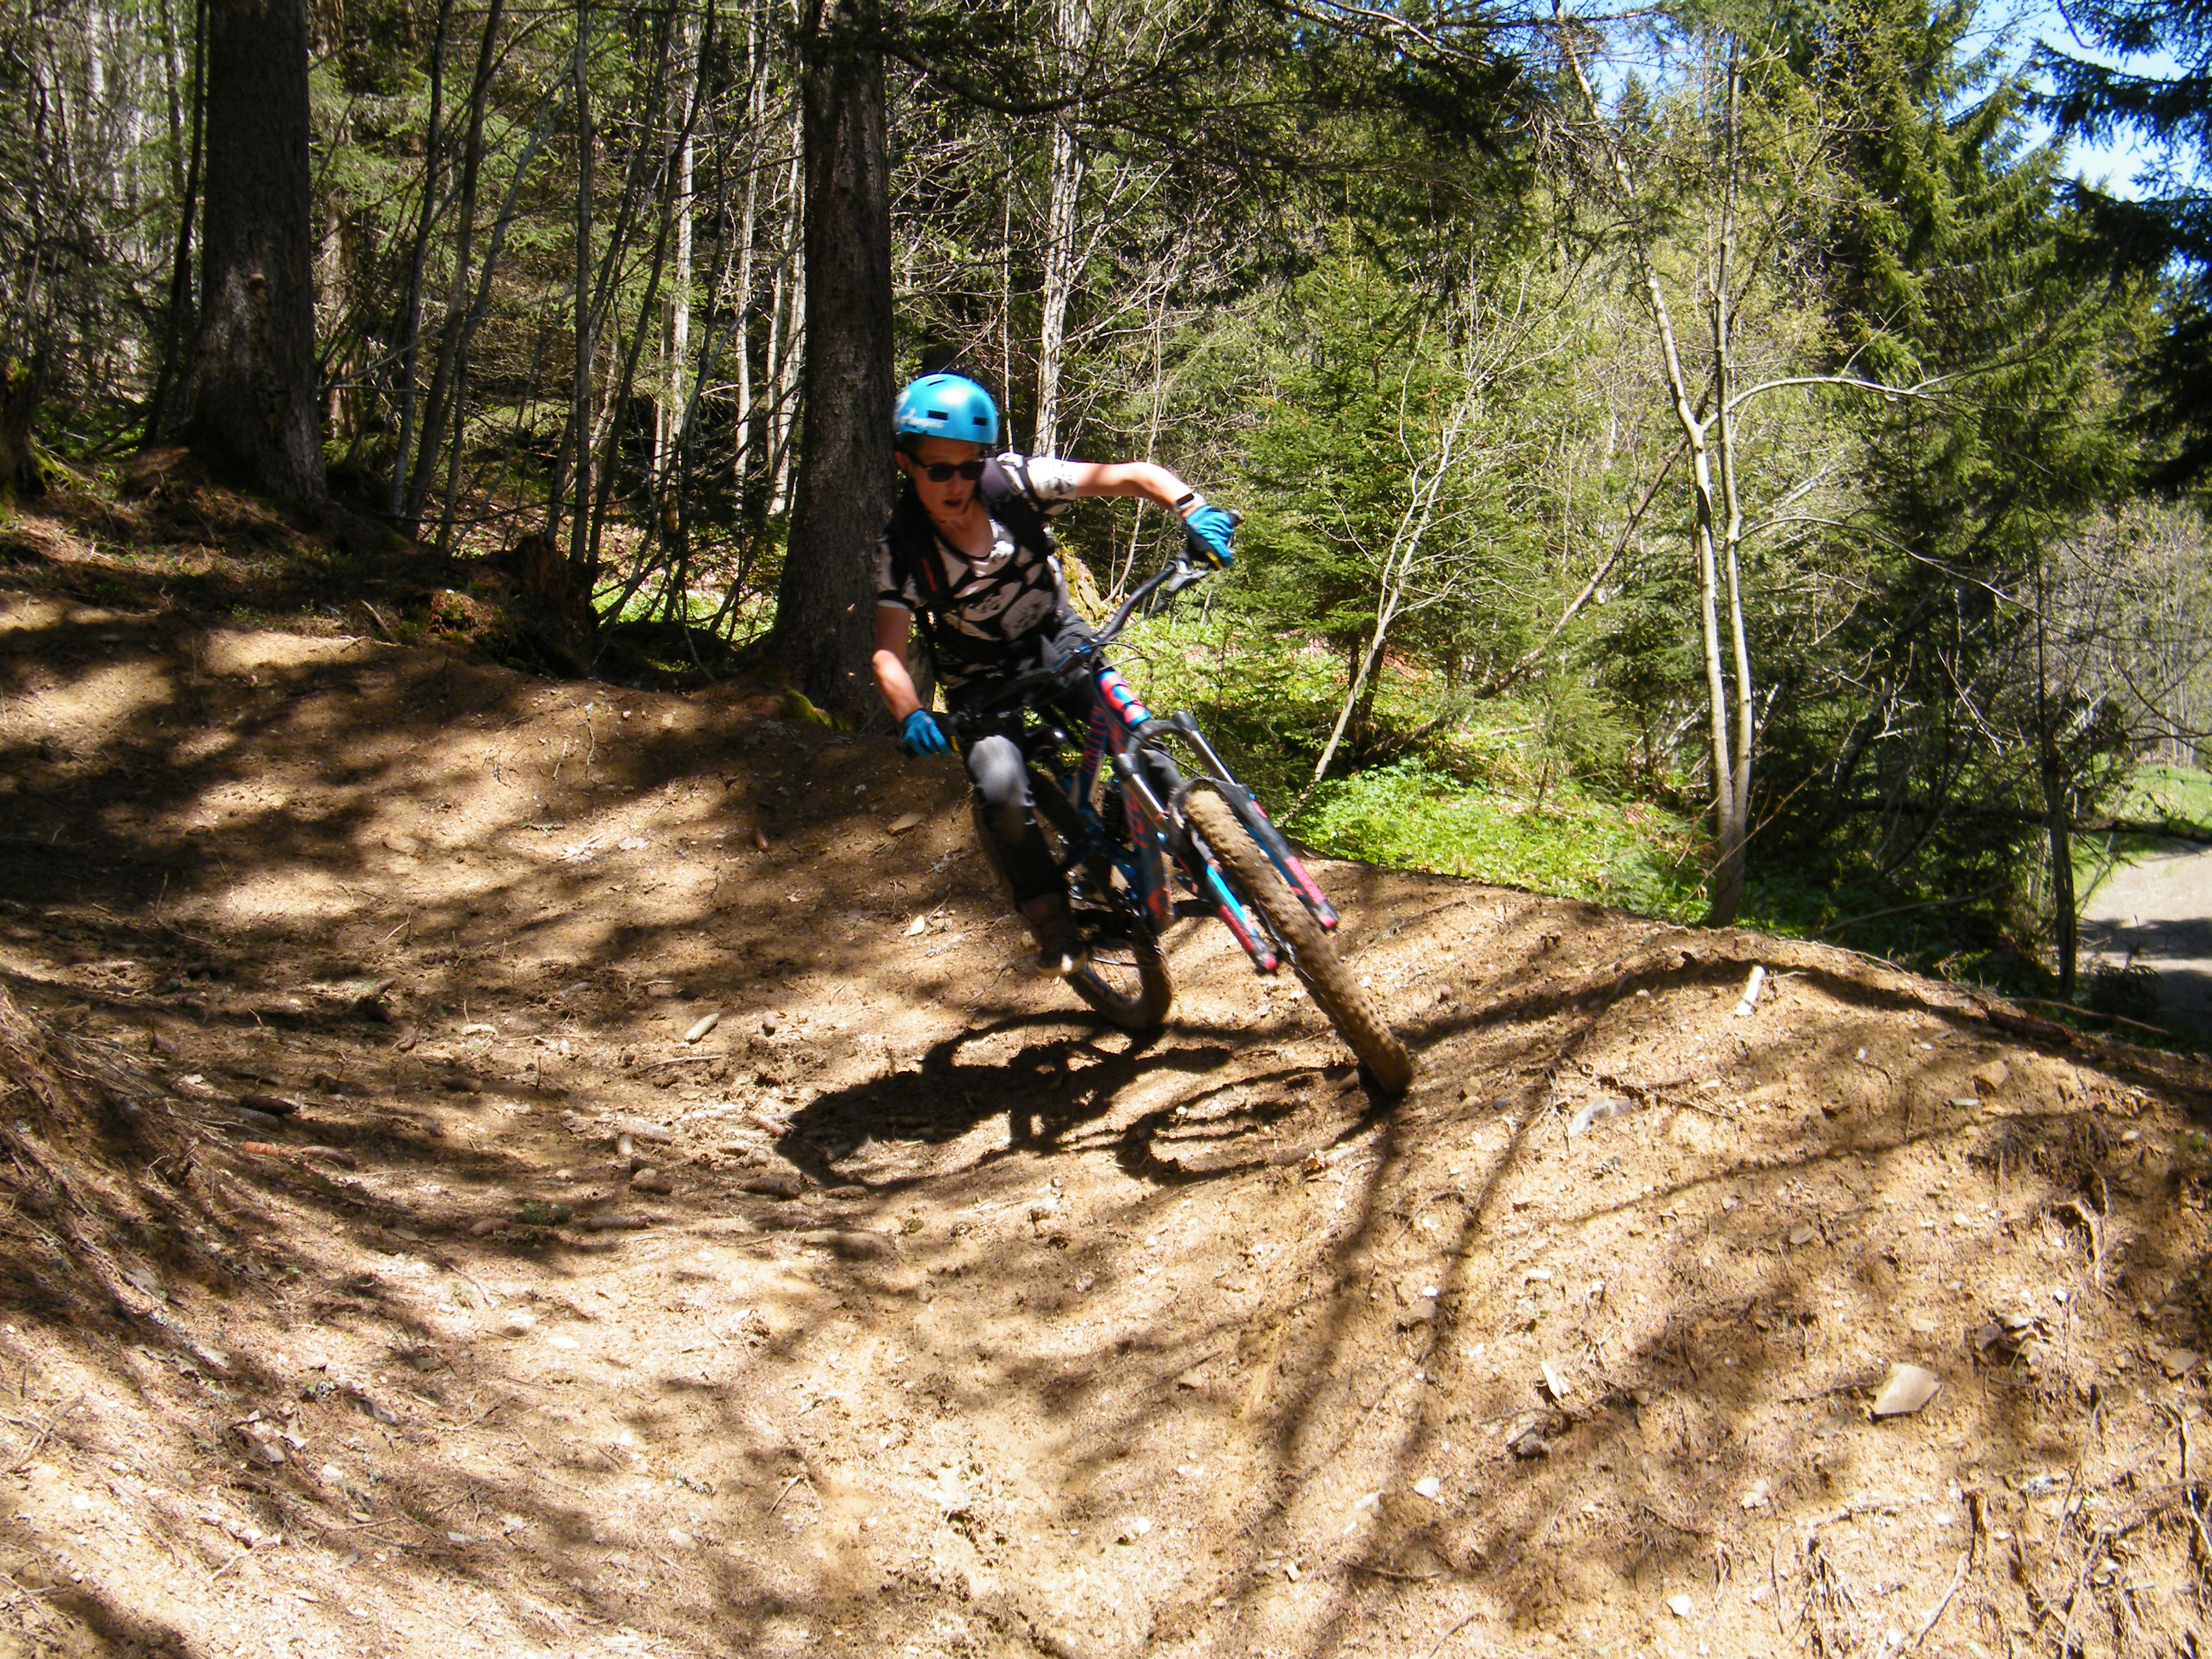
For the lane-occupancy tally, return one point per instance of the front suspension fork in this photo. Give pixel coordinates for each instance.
(1253, 817)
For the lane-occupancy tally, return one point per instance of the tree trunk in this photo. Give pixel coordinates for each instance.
(1733, 810)
(441, 399)
(742, 301)
(254, 408)
(785, 351)
(579, 389)
(2057, 805)
(668, 396)
(411, 323)
(825, 619)
(170, 373)
(1063, 201)
(1066, 190)
(549, 112)
(20, 471)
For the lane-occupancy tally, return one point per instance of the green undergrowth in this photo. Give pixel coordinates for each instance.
(1520, 791)
(2178, 797)
(1573, 843)
(1579, 843)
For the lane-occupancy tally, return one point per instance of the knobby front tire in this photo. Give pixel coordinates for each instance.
(1312, 952)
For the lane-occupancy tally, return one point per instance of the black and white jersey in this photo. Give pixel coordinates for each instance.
(1002, 606)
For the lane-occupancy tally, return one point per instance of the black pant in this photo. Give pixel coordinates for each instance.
(1004, 816)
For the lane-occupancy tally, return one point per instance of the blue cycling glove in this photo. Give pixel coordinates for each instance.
(921, 735)
(1210, 528)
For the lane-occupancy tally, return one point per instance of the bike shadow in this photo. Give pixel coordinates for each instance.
(1167, 1108)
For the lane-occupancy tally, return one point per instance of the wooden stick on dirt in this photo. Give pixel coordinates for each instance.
(1957, 1579)
(1449, 1634)
(785, 1494)
(46, 1432)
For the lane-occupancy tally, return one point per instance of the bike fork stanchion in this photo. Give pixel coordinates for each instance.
(1279, 850)
(1247, 807)
(1230, 908)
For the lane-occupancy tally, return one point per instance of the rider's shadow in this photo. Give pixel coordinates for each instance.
(1055, 1095)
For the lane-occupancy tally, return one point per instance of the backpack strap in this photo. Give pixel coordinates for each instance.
(1008, 498)
(913, 539)
(913, 542)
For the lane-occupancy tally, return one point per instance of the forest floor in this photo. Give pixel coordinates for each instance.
(953, 1323)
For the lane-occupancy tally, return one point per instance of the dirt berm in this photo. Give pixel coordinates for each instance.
(949, 1321)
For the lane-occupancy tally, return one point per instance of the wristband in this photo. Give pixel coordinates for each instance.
(1188, 497)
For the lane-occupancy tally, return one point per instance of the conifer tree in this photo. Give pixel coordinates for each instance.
(2171, 226)
(255, 407)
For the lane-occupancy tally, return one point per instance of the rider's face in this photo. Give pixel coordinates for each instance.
(947, 498)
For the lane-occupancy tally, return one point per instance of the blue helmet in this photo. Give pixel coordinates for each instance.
(946, 406)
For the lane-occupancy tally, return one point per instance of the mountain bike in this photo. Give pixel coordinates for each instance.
(1147, 824)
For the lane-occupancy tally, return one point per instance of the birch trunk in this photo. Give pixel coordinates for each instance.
(1732, 810)
(757, 60)
(791, 292)
(1063, 203)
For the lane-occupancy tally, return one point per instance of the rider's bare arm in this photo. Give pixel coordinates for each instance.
(1139, 478)
(894, 627)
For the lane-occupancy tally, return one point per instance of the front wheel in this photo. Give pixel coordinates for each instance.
(1125, 980)
(1312, 952)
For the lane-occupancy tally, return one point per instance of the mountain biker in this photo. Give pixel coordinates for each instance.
(968, 550)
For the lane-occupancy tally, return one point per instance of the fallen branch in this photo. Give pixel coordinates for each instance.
(1396, 1578)
(45, 1432)
(2092, 1013)
(786, 1492)
(1957, 1579)
(682, 1059)
(1449, 1634)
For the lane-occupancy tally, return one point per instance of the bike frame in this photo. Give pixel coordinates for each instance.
(1121, 732)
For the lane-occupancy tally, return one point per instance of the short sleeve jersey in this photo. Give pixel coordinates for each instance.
(1001, 604)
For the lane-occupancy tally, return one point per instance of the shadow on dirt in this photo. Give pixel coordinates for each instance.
(1432, 1361)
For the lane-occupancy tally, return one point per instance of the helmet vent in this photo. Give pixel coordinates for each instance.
(939, 415)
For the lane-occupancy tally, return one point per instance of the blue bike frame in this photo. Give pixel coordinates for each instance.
(1121, 730)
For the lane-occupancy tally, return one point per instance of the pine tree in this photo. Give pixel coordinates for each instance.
(1948, 762)
(255, 407)
(2171, 226)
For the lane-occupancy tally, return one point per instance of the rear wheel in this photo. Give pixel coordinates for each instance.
(1311, 951)
(1125, 980)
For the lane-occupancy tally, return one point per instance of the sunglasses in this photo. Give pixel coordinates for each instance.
(942, 471)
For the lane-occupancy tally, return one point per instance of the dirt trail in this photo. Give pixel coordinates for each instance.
(1064, 1343)
(2158, 911)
